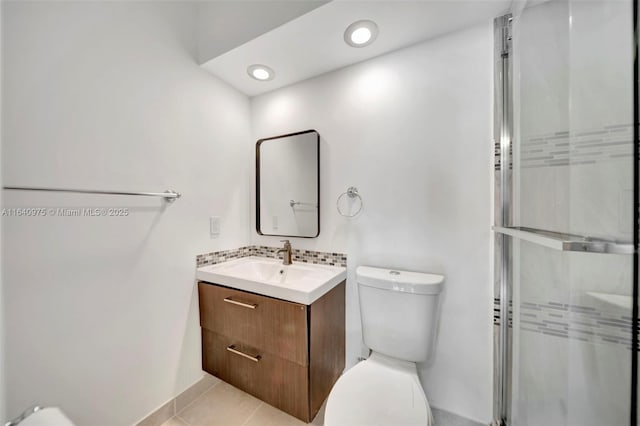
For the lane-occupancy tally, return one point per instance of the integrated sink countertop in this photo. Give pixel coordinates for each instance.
(298, 282)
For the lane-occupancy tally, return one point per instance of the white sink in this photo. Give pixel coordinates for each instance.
(257, 270)
(298, 282)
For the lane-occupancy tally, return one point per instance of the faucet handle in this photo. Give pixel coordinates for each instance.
(287, 244)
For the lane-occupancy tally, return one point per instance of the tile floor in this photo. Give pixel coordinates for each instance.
(225, 405)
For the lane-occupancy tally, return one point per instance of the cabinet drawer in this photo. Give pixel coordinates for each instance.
(277, 381)
(274, 326)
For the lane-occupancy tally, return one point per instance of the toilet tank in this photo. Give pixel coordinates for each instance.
(399, 311)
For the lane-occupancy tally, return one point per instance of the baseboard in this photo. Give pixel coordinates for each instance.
(178, 403)
(446, 418)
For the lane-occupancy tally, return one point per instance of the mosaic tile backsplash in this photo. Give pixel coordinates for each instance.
(567, 321)
(305, 256)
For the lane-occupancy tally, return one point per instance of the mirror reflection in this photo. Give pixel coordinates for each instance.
(288, 185)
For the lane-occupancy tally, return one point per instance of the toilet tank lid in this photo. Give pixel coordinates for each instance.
(397, 280)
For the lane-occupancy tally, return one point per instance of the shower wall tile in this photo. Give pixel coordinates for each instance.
(592, 273)
(561, 381)
(611, 143)
(543, 196)
(541, 374)
(574, 322)
(601, 197)
(577, 182)
(573, 173)
(542, 273)
(558, 294)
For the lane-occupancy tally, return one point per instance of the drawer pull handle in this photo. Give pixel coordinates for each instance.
(232, 349)
(244, 305)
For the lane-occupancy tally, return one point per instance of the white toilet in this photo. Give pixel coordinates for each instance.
(399, 312)
(41, 416)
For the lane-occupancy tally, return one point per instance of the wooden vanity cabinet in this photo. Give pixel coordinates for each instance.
(284, 353)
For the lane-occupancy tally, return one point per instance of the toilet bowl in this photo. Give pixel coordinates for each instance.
(39, 416)
(380, 391)
(399, 312)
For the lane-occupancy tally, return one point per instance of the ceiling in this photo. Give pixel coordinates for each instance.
(226, 24)
(313, 44)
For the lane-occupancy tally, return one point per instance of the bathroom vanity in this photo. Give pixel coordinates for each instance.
(288, 353)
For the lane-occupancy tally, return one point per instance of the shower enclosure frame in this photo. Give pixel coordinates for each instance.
(503, 214)
(503, 219)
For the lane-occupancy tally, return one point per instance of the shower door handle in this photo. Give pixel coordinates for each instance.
(566, 242)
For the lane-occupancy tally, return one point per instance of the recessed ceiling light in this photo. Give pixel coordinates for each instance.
(261, 72)
(361, 33)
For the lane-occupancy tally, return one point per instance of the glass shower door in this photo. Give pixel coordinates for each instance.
(571, 239)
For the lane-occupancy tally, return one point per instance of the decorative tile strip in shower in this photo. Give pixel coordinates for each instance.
(496, 153)
(305, 256)
(583, 323)
(602, 145)
(496, 312)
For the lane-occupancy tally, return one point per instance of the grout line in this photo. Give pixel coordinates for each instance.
(253, 413)
(156, 412)
(199, 396)
(183, 420)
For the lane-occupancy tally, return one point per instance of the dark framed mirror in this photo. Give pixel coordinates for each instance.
(288, 185)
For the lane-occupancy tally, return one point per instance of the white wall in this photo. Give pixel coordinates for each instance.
(412, 131)
(102, 315)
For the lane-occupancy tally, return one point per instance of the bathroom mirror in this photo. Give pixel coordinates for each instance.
(288, 185)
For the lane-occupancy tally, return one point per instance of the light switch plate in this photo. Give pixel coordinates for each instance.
(214, 226)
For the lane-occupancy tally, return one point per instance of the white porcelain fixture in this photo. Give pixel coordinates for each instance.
(298, 282)
(399, 312)
(50, 416)
(261, 72)
(611, 300)
(361, 33)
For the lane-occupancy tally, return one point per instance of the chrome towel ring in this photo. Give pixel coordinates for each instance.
(353, 197)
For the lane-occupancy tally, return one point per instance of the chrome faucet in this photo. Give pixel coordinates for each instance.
(286, 259)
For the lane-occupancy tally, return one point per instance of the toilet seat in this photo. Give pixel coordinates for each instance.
(379, 391)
